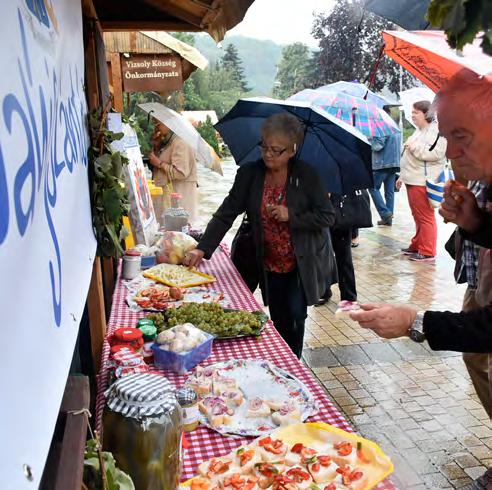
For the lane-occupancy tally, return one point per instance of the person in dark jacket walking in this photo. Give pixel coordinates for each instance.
(289, 212)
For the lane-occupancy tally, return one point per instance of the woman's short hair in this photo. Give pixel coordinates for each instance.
(285, 124)
(426, 107)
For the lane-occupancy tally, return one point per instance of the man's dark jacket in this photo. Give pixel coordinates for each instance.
(470, 331)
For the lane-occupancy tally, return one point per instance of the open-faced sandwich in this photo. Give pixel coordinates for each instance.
(217, 469)
(246, 457)
(271, 449)
(266, 472)
(216, 410)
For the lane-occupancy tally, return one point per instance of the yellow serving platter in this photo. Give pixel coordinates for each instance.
(177, 276)
(315, 434)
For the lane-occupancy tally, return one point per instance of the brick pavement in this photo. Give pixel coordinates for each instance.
(419, 405)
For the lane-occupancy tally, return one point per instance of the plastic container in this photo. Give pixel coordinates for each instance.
(182, 362)
(147, 261)
(143, 430)
(176, 218)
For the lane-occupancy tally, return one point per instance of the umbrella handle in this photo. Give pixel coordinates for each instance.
(372, 75)
(148, 116)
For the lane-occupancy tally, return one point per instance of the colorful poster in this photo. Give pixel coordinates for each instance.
(142, 216)
(47, 245)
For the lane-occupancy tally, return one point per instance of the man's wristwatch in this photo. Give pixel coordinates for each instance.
(416, 331)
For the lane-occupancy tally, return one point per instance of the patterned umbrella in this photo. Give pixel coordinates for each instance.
(358, 90)
(368, 118)
(427, 55)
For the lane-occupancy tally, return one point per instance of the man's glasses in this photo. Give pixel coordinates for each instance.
(276, 152)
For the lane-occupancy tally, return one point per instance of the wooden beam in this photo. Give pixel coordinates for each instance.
(97, 314)
(173, 10)
(136, 25)
(71, 467)
(117, 82)
(109, 281)
(64, 466)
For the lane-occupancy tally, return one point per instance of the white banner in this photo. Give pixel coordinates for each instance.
(47, 245)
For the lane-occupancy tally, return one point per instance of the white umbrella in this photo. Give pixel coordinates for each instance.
(183, 128)
(412, 95)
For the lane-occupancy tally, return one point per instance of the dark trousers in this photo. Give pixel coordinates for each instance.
(288, 307)
(342, 240)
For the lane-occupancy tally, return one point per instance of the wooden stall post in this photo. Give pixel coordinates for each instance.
(115, 61)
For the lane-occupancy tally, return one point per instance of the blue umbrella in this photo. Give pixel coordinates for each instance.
(340, 153)
(409, 14)
(358, 90)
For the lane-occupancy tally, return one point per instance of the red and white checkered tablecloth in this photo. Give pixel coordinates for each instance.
(203, 442)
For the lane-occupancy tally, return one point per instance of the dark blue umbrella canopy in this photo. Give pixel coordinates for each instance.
(409, 14)
(340, 153)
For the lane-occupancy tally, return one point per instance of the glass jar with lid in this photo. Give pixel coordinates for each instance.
(175, 217)
(142, 427)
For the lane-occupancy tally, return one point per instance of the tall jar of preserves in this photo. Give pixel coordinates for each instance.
(142, 427)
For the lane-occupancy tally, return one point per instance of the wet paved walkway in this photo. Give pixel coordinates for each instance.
(419, 405)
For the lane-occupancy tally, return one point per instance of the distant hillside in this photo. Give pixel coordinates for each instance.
(259, 57)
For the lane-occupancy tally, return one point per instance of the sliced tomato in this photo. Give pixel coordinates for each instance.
(297, 448)
(316, 467)
(247, 456)
(356, 475)
(298, 475)
(266, 440)
(324, 460)
(344, 448)
(331, 486)
(143, 302)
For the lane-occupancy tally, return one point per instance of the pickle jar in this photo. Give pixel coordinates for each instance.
(142, 427)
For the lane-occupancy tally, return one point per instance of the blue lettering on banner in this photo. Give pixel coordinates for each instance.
(55, 139)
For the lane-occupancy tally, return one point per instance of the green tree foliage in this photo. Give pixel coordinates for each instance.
(232, 64)
(259, 58)
(463, 20)
(209, 134)
(292, 71)
(139, 119)
(350, 40)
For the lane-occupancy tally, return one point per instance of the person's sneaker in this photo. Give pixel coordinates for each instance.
(386, 221)
(422, 258)
(409, 251)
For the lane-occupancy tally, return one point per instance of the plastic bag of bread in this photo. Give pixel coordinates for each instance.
(173, 246)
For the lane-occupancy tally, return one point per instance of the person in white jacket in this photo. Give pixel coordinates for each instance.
(422, 159)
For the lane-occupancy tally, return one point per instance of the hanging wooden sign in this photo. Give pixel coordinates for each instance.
(151, 72)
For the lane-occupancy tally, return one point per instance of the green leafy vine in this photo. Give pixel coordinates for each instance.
(109, 197)
(462, 21)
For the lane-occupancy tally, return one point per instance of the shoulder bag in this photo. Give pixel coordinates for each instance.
(243, 254)
(352, 210)
(435, 189)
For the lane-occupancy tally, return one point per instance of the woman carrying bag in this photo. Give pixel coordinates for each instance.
(289, 212)
(423, 158)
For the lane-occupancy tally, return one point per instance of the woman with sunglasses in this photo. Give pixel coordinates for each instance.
(289, 211)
